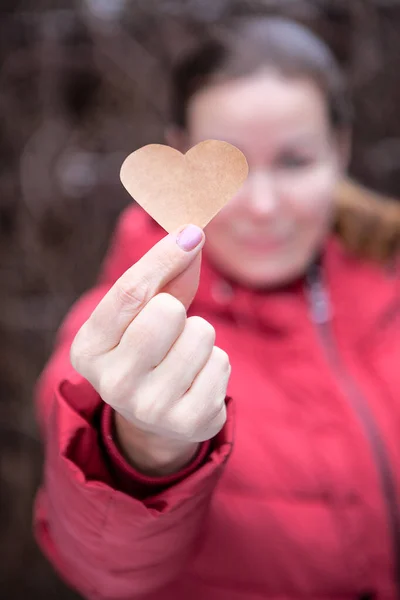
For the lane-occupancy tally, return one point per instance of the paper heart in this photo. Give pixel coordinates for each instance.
(177, 189)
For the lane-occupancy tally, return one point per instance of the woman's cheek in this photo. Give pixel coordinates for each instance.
(312, 195)
(221, 224)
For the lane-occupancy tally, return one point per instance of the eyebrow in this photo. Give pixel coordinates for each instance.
(299, 141)
(302, 139)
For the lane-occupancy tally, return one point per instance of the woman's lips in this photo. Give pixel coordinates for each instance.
(263, 243)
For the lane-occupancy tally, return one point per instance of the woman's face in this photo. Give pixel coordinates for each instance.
(271, 230)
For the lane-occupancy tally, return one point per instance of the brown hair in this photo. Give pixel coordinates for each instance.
(251, 44)
(367, 224)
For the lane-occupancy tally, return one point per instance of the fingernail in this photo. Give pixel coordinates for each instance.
(189, 238)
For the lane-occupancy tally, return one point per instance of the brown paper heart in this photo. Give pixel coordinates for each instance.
(177, 189)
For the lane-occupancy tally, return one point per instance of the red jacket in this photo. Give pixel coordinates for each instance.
(298, 497)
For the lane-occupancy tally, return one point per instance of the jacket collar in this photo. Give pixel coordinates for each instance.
(360, 293)
(363, 294)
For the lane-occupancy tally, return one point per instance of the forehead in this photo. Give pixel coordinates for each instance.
(266, 105)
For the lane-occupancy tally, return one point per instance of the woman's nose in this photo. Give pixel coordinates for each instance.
(262, 196)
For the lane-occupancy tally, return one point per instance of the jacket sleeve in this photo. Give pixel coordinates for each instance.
(111, 538)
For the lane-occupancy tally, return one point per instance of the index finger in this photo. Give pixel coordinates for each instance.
(168, 259)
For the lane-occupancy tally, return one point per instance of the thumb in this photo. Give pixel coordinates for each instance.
(172, 265)
(184, 286)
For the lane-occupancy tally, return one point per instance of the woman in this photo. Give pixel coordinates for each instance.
(155, 485)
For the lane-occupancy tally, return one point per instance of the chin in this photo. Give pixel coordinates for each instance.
(271, 276)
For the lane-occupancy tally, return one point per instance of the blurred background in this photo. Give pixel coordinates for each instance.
(82, 84)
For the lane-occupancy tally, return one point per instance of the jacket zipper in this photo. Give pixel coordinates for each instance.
(321, 316)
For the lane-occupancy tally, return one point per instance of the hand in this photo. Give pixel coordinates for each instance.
(158, 369)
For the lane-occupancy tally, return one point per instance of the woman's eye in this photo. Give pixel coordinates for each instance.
(293, 162)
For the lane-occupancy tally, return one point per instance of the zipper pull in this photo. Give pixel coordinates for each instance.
(320, 306)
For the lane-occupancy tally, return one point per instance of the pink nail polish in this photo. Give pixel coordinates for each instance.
(189, 238)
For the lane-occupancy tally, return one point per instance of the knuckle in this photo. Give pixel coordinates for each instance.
(132, 294)
(221, 358)
(198, 418)
(112, 386)
(162, 314)
(74, 354)
(149, 404)
(203, 329)
(207, 423)
(215, 418)
(81, 351)
(170, 306)
(220, 418)
(107, 385)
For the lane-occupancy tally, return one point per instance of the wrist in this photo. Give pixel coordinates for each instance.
(149, 453)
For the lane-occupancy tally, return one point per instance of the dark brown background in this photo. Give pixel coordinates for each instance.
(77, 93)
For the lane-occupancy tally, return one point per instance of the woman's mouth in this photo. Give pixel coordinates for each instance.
(263, 243)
